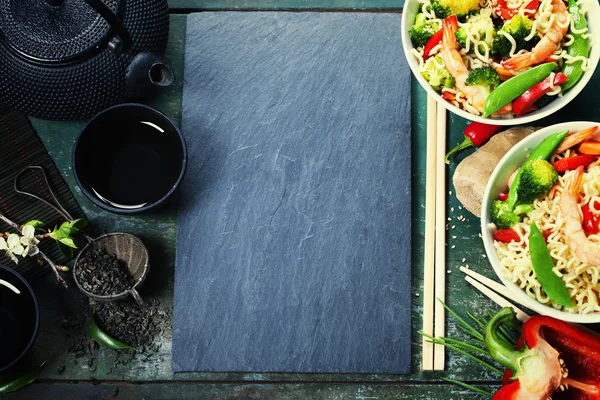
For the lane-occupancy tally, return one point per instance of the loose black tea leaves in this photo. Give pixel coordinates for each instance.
(103, 274)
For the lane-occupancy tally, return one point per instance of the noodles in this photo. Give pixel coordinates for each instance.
(581, 280)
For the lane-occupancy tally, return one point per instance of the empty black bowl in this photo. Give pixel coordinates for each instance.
(19, 317)
(129, 158)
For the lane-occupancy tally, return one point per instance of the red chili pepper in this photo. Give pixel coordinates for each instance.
(433, 41)
(507, 236)
(476, 134)
(524, 103)
(546, 234)
(571, 163)
(506, 13)
(448, 96)
(591, 224)
(536, 370)
(502, 196)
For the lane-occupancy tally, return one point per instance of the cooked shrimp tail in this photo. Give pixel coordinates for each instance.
(518, 62)
(450, 29)
(574, 185)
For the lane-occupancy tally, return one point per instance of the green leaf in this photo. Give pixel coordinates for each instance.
(72, 227)
(36, 223)
(102, 337)
(13, 384)
(57, 234)
(68, 242)
(66, 250)
(79, 223)
(467, 386)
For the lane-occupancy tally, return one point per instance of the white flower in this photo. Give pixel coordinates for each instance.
(12, 247)
(29, 241)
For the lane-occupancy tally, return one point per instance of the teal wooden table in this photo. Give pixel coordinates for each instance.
(149, 376)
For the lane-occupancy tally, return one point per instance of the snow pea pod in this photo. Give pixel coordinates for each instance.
(543, 265)
(579, 47)
(13, 385)
(516, 86)
(541, 152)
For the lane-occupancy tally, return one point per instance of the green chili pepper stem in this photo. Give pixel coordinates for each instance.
(579, 47)
(464, 145)
(543, 265)
(501, 351)
(467, 386)
(22, 381)
(541, 152)
(516, 86)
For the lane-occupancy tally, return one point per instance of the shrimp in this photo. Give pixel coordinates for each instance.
(476, 95)
(587, 251)
(546, 46)
(456, 66)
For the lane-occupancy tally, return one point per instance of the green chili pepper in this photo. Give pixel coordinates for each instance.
(543, 265)
(579, 47)
(516, 86)
(15, 384)
(102, 337)
(541, 152)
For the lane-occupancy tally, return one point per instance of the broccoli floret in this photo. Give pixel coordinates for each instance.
(422, 30)
(486, 77)
(462, 8)
(537, 178)
(503, 216)
(436, 74)
(461, 36)
(519, 27)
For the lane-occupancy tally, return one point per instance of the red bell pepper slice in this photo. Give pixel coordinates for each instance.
(502, 196)
(433, 41)
(536, 370)
(524, 104)
(503, 11)
(591, 221)
(507, 236)
(571, 163)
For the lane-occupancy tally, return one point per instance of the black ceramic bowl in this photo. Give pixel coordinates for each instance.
(129, 158)
(19, 317)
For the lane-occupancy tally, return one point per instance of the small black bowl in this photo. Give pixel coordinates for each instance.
(19, 318)
(129, 159)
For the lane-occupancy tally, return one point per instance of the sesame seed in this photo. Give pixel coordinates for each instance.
(450, 193)
(449, 271)
(453, 226)
(453, 247)
(449, 219)
(464, 259)
(452, 209)
(417, 294)
(453, 237)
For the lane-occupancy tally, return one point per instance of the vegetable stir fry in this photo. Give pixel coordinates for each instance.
(473, 51)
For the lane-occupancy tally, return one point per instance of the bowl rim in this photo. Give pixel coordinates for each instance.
(37, 317)
(118, 296)
(527, 143)
(536, 115)
(147, 207)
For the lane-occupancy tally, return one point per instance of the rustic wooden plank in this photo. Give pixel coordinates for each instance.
(199, 5)
(160, 391)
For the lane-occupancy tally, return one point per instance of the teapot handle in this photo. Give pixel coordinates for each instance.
(113, 20)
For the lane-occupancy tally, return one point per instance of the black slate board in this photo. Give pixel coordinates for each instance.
(21, 147)
(294, 229)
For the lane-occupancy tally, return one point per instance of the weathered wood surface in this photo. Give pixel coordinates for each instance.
(186, 5)
(158, 231)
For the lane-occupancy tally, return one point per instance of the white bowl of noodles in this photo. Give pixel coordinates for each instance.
(512, 263)
(592, 8)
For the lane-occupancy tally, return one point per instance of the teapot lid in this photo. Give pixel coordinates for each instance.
(53, 31)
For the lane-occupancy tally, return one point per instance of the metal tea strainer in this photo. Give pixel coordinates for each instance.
(124, 246)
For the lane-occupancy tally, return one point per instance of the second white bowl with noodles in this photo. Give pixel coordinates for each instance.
(498, 184)
(412, 8)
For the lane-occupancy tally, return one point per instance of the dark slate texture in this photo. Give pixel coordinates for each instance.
(293, 242)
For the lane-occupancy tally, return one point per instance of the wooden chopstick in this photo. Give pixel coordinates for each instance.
(501, 301)
(429, 260)
(439, 356)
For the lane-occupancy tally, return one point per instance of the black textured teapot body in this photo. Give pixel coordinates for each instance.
(69, 59)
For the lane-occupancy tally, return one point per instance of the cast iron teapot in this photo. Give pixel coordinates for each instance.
(69, 59)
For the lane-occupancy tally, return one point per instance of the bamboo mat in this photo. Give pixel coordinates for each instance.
(21, 147)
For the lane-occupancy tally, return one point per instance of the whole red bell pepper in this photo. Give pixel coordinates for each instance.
(552, 359)
(433, 41)
(525, 103)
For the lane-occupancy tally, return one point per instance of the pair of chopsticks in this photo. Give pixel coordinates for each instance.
(494, 290)
(434, 315)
